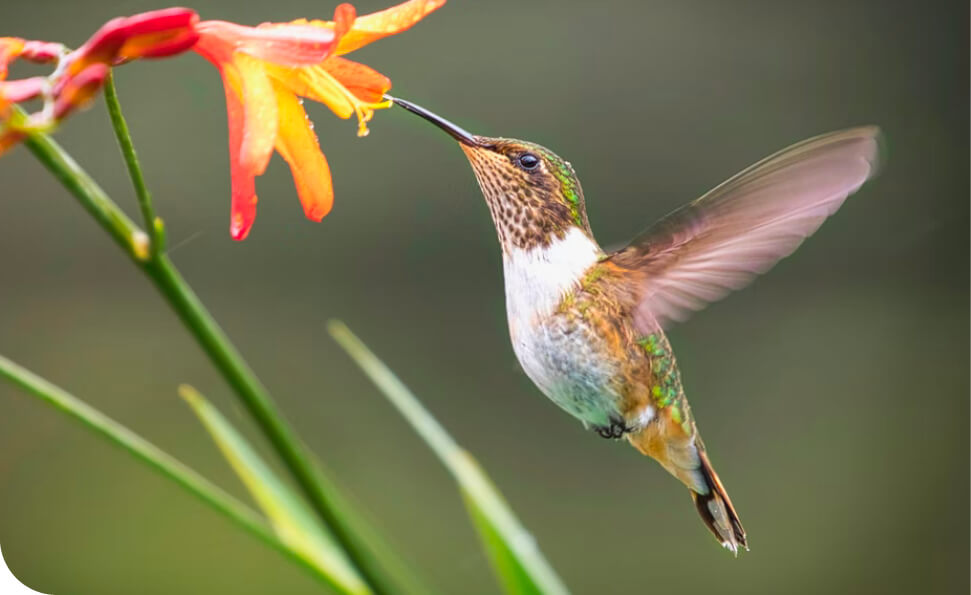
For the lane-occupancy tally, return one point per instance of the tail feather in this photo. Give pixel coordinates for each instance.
(716, 510)
(683, 455)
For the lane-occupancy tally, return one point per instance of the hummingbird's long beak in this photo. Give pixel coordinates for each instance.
(459, 134)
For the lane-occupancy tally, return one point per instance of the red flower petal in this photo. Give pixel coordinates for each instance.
(100, 47)
(298, 145)
(243, 205)
(22, 89)
(159, 33)
(42, 51)
(287, 45)
(214, 48)
(146, 35)
(344, 16)
(79, 89)
(157, 45)
(259, 114)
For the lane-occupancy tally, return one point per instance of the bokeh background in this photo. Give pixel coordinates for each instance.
(832, 393)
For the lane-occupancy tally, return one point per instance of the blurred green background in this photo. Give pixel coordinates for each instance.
(833, 393)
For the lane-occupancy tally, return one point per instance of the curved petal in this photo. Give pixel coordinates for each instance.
(298, 145)
(386, 22)
(22, 89)
(157, 45)
(100, 47)
(364, 82)
(259, 114)
(243, 205)
(42, 51)
(79, 89)
(293, 44)
(159, 33)
(317, 84)
(152, 34)
(214, 48)
(344, 17)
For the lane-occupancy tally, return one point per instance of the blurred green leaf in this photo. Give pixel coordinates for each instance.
(517, 560)
(147, 453)
(292, 519)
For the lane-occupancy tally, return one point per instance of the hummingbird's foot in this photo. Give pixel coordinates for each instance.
(615, 430)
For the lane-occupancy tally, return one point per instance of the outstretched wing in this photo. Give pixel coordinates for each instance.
(721, 241)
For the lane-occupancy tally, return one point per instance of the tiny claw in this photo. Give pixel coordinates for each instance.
(615, 430)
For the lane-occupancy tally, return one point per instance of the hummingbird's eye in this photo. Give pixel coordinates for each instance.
(528, 161)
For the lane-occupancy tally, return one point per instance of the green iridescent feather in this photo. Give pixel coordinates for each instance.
(666, 389)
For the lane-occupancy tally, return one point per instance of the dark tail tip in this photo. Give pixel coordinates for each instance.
(716, 510)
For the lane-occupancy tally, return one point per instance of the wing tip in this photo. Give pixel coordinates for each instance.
(874, 147)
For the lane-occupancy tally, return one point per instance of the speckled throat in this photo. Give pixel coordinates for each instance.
(529, 208)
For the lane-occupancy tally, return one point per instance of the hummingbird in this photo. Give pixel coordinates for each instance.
(588, 326)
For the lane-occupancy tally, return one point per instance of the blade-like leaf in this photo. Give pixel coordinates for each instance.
(149, 454)
(291, 518)
(517, 560)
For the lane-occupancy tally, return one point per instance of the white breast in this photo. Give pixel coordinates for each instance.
(536, 279)
(562, 360)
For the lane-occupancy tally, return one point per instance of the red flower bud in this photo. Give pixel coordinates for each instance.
(153, 34)
(81, 74)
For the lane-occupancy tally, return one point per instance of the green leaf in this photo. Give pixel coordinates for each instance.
(150, 455)
(516, 558)
(291, 518)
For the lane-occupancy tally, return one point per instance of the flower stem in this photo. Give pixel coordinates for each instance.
(151, 455)
(123, 135)
(379, 568)
(94, 200)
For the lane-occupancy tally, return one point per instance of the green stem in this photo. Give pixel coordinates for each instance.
(321, 493)
(241, 378)
(122, 230)
(148, 453)
(152, 223)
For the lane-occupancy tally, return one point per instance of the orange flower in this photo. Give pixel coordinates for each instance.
(265, 71)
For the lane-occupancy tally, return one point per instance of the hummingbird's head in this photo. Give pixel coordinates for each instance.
(534, 195)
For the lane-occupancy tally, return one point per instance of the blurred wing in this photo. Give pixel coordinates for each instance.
(721, 241)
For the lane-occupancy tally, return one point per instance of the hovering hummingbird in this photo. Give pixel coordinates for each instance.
(587, 326)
